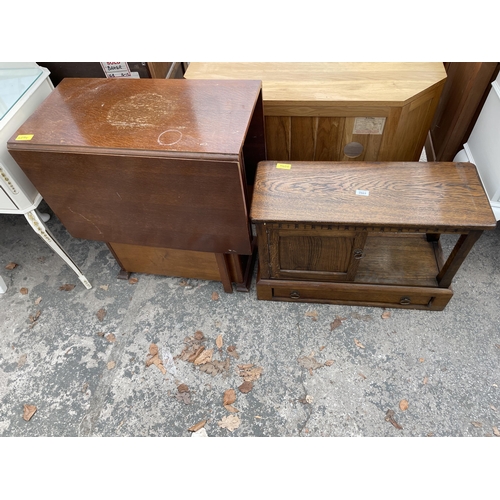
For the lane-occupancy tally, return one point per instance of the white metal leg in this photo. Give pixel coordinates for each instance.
(3, 286)
(41, 229)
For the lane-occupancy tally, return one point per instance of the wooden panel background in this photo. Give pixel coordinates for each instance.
(310, 108)
(466, 88)
(291, 137)
(166, 261)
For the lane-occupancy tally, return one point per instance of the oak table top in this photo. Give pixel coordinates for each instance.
(406, 195)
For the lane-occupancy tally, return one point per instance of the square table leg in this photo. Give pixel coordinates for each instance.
(456, 258)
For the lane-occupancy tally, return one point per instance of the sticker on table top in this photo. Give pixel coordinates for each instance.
(362, 192)
(25, 137)
(369, 125)
(284, 166)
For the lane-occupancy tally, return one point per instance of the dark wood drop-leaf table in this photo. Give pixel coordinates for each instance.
(160, 170)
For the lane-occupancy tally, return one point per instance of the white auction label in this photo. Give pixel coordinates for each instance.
(362, 192)
(116, 70)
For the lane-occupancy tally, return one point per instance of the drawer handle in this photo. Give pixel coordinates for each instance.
(358, 254)
(295, 295)
(405, 301)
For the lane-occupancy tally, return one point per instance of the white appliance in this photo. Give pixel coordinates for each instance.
(483, 147)
(23, 87)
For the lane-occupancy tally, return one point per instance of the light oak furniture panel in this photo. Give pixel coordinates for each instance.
(365, 233)
(313, 110)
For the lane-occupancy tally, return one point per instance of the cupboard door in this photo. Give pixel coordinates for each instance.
(318, 255)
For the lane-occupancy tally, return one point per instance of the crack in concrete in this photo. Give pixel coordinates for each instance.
(302, 379)
(87, 424)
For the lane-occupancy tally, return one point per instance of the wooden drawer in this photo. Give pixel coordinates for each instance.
(434, 299)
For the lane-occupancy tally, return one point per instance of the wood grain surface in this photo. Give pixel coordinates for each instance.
(166, 261)
(151, 162)
(311, 109)
(313, 254)
(433, 299)
(400, 194)
(313, 84)
(161, 117)
(171, 203)
(466, 88)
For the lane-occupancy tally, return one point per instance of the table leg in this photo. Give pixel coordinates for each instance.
(3, 286)
(457, 256)
(433, 236)
(244, 286)
(123, 274)
(41, 229)
(224, 272)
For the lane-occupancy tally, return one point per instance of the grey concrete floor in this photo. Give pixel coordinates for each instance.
(88, 375)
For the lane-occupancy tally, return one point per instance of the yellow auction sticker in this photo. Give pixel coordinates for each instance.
(26, 137)
(285, 166)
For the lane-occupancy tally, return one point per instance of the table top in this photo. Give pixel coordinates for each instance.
(408, 195)
(158, 117)
(330, 82)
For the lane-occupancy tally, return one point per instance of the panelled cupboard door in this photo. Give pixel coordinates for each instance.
(315, 254)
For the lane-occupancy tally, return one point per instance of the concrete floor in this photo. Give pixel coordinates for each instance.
(88, 375)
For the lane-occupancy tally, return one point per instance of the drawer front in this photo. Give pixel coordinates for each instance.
(315, 255)
(351, 294)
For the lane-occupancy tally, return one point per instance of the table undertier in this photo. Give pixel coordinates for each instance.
(400, 259)
(397, 270)
(389, 259)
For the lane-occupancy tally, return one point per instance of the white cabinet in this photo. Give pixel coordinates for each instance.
(22, 90)
(23, 87)
(6, 204)
(483, 146)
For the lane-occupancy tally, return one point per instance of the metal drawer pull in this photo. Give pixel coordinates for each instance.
(358, 254)
(405, 301)
(294, 295)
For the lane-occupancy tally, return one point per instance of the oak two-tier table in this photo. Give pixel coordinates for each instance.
(363, 233)
(161, 170)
